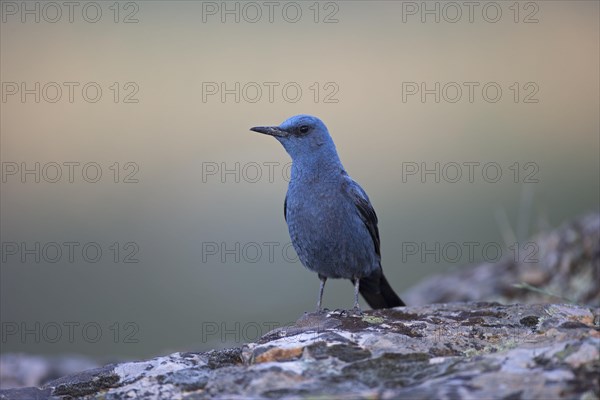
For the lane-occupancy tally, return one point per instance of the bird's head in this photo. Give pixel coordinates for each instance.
(302, 136)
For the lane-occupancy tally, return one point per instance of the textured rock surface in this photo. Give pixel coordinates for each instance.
(443, 351)
(564, 262)
(19, 370)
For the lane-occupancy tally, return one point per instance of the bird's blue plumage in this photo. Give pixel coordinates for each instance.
(331, 221)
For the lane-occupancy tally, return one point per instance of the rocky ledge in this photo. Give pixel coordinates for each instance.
(560, 265)
(441, 351)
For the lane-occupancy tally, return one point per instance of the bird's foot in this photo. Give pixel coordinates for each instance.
(356, 311)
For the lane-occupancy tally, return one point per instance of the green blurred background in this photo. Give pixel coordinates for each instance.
(181, 139)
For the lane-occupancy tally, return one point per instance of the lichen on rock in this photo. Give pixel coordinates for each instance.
(442, 351)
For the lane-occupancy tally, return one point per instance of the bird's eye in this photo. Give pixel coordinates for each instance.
(303, 129)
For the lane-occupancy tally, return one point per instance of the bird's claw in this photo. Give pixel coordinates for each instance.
(356, 311)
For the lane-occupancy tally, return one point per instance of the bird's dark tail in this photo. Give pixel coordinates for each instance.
(377, 292)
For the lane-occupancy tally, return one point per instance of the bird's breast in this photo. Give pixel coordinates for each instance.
(327, 232)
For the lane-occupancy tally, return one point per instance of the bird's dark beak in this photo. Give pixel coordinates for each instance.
(270, 130)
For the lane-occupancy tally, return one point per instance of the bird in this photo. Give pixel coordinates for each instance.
(331, 222)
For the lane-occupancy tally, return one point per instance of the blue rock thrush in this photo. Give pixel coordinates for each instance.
(331, 221)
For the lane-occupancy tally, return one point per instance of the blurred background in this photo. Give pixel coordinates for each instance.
(153, 221)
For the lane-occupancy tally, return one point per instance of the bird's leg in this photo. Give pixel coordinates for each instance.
(356, 308)
(323, 279)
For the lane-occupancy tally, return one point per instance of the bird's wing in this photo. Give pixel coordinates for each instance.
(285, 208)
(363, 205)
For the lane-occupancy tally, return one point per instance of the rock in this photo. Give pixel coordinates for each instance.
(441, 351)
(22, 370)
(558, 266)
